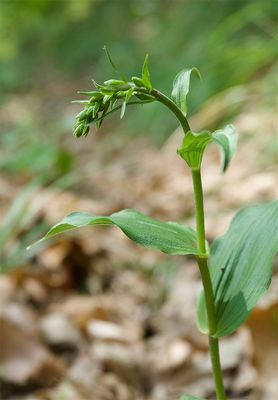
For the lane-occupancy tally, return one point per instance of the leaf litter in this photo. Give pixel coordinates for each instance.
(91, 317)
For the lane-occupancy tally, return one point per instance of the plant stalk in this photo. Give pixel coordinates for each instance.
(202, 259)
(207, 285)
(162, 98)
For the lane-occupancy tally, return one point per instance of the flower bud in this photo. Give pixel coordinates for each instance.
(78, 130)
(137, 81)
(114, 82)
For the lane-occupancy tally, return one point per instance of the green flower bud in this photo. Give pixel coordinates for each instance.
(86, 129)
(114, 82)
(137, 81)
(82, 116)
(78, 130)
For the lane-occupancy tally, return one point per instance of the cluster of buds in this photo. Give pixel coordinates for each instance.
(113, 95)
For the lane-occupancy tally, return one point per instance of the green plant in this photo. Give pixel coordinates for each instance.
(237, 269)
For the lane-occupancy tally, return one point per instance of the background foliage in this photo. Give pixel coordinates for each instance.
(49, 49)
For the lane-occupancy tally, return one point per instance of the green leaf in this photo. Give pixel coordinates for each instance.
(227, 139)
(146, 78)
(181, 86)
(168, 237)
(241, 266)
(194, 144)
(193, 147)
(190, 397)
(127, 97)
(109, 58)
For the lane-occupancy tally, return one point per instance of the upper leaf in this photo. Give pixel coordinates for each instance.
(168, 237)
(194, 144)
(241, 267)
(193, 147)
(227, 139)
(146, 78)
(181, 86)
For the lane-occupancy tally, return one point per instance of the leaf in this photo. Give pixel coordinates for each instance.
(146, 78)
(194, 144)
(227, 139)
(127, 97)
(241, 266)
(193, 147)
(168, 237)
(109, 58)
(181, 86)
(190, 397)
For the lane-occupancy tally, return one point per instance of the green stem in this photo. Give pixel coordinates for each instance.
(173, 107)
(162, 98)
(207, 284)
(216, 368)
(202, 259)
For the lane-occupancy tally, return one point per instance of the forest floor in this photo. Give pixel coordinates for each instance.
(93, 317)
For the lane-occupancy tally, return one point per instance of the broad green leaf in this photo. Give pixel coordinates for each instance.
(181, 86)
(190, 397)
(168, 237)
(241, 266)
(146, 78)
(194, 144)
(193, 147)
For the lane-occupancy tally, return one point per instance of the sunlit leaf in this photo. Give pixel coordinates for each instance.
(241, 266)
(194, 144)
(146, 78)
(181, 86)
(168, 237)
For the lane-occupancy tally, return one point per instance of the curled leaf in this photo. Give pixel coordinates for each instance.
(194, 144)
(181, 87)
(146, 78)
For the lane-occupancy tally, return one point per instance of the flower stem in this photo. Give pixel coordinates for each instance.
(202, 260)
(162, 98)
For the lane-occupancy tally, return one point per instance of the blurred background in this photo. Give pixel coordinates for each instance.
(96, 317)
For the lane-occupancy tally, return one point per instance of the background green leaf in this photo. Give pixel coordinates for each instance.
(189, 397)
(181, 86)
(241, 266)
(168, 237)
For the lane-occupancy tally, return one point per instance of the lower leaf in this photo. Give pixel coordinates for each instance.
(168, 237)
(241, 266)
